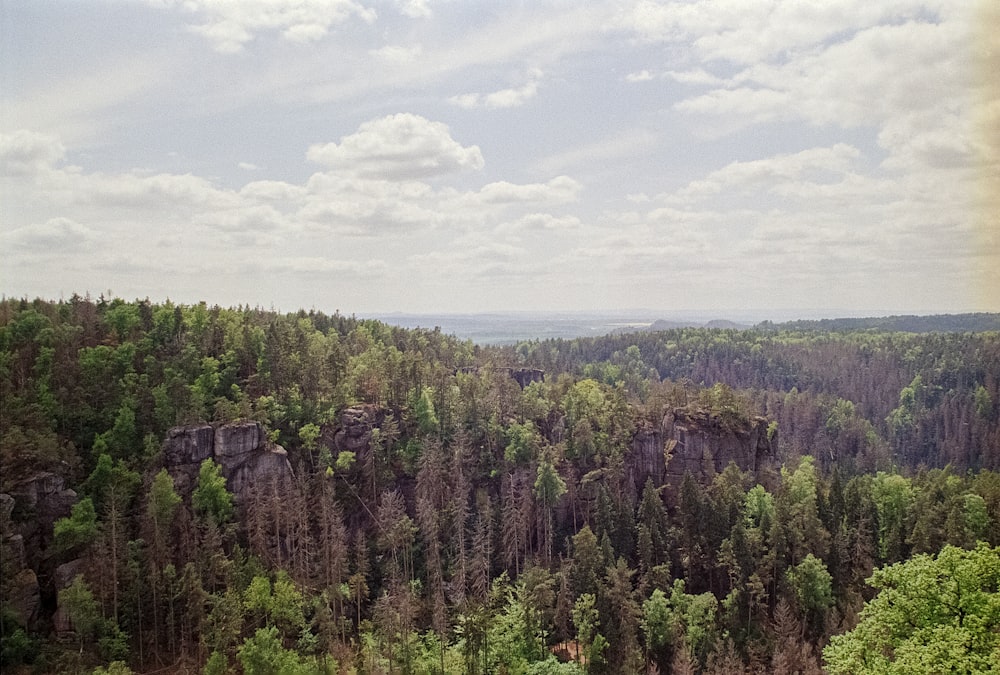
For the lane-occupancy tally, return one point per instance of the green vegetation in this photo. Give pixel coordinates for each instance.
(441, 516)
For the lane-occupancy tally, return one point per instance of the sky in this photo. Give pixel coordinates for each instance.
(372, 156)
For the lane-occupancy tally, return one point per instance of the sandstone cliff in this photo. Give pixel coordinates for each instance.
(242, 450)
(700, 442)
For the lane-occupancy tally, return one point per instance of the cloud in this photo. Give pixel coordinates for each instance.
(624, 144)
(229, 25)
(814, 165)
(415, 9)
(54, 236)
(398, 147)
(641, 76)
(560, 189)
(505, 98)
(537, 222)
(397, 54)
(324, 266)
(745, 33)
(247, 166)
(24, 152)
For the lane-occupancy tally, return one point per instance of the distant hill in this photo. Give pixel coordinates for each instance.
(664, 324)
(909, 323)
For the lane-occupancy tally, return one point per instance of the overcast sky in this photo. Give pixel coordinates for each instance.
(447, 156)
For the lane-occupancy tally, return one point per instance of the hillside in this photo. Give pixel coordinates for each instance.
(211, 489)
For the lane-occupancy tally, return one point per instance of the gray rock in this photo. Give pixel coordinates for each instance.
(234, 440)
(24, 597)
(263, 469)
(188, 445)
(66, 572)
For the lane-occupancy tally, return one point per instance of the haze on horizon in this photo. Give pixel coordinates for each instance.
(419, 156)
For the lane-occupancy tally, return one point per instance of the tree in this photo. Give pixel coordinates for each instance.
(931, 614)
(81, 609)
(210, 498)
(549, 487)
(587, 621)
(263, 654)
(812, 585)
(79, 529)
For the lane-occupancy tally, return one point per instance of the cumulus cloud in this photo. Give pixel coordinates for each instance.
(26, 152)
(56, 235)
(230, 25)
(558, 190)
(504, 98)
(812, 165)
(398, 147)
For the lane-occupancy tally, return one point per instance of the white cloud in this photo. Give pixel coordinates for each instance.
(54, 236)
(624, 144)
(808, 166)
(398, 147)
(560, 189)
(535, 222)
(504, 98)
(229, 25)
(25, 152)
(398, 54)
(641, 76)
(247, 166)
(744, 33)
(415, 9)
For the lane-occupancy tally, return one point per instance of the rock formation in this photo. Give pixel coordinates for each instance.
(242, 450)
(699, 442)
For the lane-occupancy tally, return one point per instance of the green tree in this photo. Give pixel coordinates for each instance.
(932, 614)
(263, 654)
(591, 643)
(549, 487)
(210, 498)
(812, 585)
(80, 529)
(81, 608)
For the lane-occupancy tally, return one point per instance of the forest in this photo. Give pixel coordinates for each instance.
(197, 489)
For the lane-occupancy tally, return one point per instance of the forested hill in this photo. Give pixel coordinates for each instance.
(909, 323)
(876, 397)
(201, 489)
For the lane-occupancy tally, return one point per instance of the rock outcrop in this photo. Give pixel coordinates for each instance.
(699, 442)
(354, 433)
(36, 503)
(242, 450)
(23, 595)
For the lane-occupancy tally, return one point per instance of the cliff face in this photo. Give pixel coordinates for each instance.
(701, 443)
(246, 456)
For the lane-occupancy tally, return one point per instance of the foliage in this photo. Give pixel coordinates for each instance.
(210, 498)
(454, 521)
(931, 614)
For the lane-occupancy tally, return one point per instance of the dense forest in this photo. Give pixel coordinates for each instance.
(188, 488)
